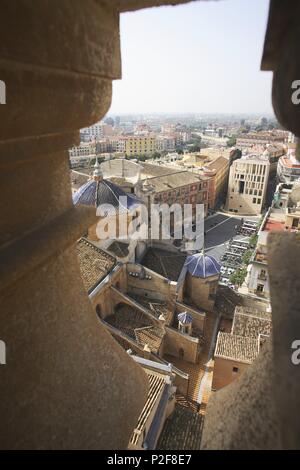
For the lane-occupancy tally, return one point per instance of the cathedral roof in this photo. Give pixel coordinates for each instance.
(201, 265)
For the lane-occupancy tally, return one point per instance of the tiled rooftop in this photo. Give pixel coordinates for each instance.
(94, 263)
(151, 336)
(150, 170)
(156, 385)
(126, 345)
(119, 249)
(173, 180)
(155, 306)
(274, 225)
(217, 164)
(137, 326)
(238, 348)
(165, 263)
(251, 324)
(182, 430)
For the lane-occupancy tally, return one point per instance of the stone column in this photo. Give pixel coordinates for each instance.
(67, 384)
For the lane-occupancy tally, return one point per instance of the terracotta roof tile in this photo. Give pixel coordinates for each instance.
(94, 263)
(238, 348)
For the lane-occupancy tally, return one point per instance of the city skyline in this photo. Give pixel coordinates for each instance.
(202, 58)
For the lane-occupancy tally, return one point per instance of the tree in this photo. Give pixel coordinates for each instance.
(156, 155)
(195, 148)
(238, 277)
(247, 257)
(253, 240)
(231, 141)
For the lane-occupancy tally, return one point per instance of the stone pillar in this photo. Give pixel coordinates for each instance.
(67, 384)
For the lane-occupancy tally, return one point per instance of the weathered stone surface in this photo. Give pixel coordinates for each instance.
(127, 5)
(66, 35)
(284, 272)
(70, 101)
(279, 22)
(286, 72)
(281, 55)
(67, 384)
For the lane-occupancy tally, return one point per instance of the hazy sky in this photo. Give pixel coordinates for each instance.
(200, 57)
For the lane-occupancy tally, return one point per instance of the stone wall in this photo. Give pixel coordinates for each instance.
(157, 288)
(197, 291)
(181, 345)
(223, 372)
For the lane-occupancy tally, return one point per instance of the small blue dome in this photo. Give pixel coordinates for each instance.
(201, 265)
(185, 318)
(94, 193)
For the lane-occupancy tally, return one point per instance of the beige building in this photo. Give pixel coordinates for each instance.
(247, 187)
(236, 350)
(260, 138)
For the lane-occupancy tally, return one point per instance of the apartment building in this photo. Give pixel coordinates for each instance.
(283, 215)
(163, 185)
(96, 131)
(217, 171)
(260, 138)
(165, 143)
(247, 187)
(138, 145)
(83, 150)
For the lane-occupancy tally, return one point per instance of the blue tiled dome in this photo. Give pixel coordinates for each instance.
(185, 318)
(94, 193)
(201, 265)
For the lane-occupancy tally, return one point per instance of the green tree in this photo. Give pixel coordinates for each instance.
(156, 155)
(247, 257)
(238, 277)
(231, 141)
(253, 240)
(195, 148)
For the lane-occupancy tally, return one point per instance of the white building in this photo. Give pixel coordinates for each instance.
(83, 150)
(288, 169)
(96, 132)
(283, 215)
